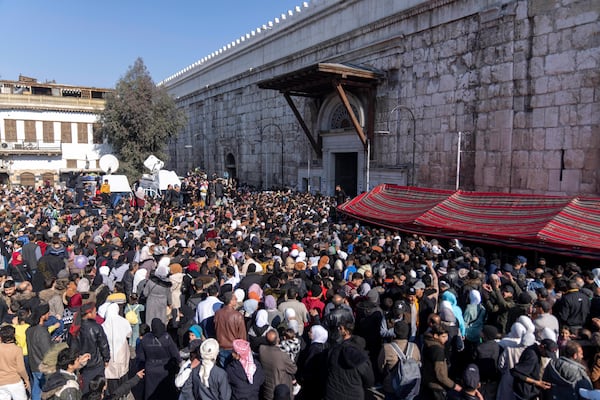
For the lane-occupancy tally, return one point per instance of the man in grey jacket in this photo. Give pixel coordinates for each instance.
(567, 374)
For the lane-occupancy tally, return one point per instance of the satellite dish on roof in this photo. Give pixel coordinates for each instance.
(109, 164)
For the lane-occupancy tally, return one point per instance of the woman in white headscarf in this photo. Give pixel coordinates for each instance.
(312, 364)
(290, 320)
(258, 330)
(214, 383)
(474, 317)
(527, 323)
(514, 345)
(118, 331)
(140, 276)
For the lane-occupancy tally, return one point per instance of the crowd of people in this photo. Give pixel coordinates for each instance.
(241, 294)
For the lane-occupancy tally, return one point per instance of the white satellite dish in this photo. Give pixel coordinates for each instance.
(153, 163)
(109, 164)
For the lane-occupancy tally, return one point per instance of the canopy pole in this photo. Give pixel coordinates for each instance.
(458, 161)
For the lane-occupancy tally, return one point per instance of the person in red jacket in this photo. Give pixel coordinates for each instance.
(314, 304)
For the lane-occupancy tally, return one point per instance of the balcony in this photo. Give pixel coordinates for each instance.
(31, 148)
(51, 102)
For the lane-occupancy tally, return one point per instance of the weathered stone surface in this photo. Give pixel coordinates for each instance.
(522, 77)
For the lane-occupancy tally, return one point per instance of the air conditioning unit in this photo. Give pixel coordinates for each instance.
(4, 145)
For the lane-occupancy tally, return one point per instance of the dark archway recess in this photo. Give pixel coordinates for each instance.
(230, 166)
(346, 172)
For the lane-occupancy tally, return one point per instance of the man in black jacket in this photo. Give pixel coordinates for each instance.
(573, 308)
(38, 344)
(91, 339)
(486, 359)
(349, 370)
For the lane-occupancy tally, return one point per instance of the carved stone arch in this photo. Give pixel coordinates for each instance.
(333, 114)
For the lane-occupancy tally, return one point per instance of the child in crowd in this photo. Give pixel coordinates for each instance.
(134, 309)
(291, 344)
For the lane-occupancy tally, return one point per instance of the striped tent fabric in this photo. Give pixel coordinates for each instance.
(494, 214)
(392, 204)
(577, 224)
(550, 223)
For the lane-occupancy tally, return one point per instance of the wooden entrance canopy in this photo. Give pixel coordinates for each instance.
(318, 81)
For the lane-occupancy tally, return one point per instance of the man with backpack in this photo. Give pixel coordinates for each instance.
(399, 362)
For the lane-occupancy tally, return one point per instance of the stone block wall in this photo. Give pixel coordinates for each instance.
(520, 79)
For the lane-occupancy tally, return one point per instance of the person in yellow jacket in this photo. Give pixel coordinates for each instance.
(105, 192)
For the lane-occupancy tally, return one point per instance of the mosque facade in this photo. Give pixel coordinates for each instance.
(485, 95)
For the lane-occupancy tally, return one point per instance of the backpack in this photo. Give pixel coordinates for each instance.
(406, 374)
(131, 315)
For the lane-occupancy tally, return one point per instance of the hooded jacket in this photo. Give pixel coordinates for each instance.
(474, 317)
(567, 376)
(451, 298)
(349, 372)
(61, 385)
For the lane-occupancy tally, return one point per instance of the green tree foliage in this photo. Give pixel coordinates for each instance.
(138, 120)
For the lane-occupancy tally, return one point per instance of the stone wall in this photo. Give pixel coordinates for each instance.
(518, 78)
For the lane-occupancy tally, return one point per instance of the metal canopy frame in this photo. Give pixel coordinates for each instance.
(318, 81)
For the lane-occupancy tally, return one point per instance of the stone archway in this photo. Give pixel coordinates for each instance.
(344, 156)
(333, 115)
(230, 166)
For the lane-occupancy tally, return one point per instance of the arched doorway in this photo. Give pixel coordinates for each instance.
(230, 166)
(344, 157)
(27, 179)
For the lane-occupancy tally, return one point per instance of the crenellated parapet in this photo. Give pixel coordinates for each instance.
(244, 40)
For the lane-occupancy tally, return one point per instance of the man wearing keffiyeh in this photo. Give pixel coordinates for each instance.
(245, 373)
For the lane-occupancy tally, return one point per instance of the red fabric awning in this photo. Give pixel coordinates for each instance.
(551, 223)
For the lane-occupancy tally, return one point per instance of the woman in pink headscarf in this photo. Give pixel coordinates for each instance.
(245, 373)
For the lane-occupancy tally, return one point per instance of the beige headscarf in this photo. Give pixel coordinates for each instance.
(209, 350)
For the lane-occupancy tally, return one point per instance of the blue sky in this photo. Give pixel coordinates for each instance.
(93, 42)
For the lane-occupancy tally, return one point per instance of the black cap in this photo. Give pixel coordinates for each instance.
(508, 288)
(550, 345)
(471, 377)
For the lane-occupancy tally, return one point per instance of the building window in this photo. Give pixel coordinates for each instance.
(27, 179)
(30, 136)
(10, 130)
(82, 133)
(65, 132)
(48, 132)
(71, 163)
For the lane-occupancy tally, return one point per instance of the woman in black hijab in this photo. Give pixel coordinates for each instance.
(158, 355)
(186, 320)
